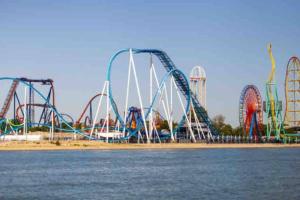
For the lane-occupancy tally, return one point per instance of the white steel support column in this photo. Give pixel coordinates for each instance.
(171, 111)
(139, 96)
(150, 99)
(190, 116)
(98, 108)
(204, 93)
(163, 92)
(25, 112)
(127, 94)
(164, 106)
(182, 106)
(198, 125)
(107, 111)
(52, 125)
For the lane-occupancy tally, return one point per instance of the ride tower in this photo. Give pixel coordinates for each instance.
(198, 88)
(272, 105)
(198, 84)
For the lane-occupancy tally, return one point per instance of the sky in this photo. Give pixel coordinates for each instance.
(72, 42)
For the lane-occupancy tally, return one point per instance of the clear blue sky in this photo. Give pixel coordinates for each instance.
(72, 42)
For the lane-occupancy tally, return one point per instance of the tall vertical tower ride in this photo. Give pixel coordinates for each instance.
(272, 105)
(198, 84)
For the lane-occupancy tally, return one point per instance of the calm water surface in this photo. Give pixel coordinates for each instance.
(151, 174)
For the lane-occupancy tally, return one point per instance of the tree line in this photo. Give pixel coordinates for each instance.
(226, 129)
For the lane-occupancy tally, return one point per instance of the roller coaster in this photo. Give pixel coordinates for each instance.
(86, 117)
(24, 113)
(168, 109)
(170, 100)
(292, 94)
(13, 96)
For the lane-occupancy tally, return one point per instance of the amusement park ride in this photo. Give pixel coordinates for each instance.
(198, 84)
(251, 107)
(272, 105)
(27, 113)
(198, 87)
(171, 107)
(250, 111)
(292, 94)
(13, 97)
(172, 112)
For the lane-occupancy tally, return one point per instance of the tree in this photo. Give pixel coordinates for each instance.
(219, 122)
(227, 129)
(238, 131)
(223, 128)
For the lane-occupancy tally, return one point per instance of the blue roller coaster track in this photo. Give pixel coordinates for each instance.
(47, 102)
(180, 80)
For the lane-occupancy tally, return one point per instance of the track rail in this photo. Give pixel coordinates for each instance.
(49, 105)
(180, 80)
(9, 98)
(87, 107)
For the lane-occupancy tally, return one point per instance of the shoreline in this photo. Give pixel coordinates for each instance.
(95, 145)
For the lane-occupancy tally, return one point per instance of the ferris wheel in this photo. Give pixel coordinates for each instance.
(250, 111)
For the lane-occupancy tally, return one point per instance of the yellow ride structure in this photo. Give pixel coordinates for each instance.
(272, 106)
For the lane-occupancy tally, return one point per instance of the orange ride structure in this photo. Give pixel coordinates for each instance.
(250, 112)
(292, 95)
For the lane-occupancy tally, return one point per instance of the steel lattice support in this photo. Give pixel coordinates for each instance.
(273, 106)
(292, 94)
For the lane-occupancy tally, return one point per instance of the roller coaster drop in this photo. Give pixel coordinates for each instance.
(136, 122)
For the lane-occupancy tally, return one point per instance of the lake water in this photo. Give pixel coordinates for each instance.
(151, 174)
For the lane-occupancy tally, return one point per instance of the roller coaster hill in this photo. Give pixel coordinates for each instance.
(21, 105)
(252, 107)
(13, 97)
(161, 109)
